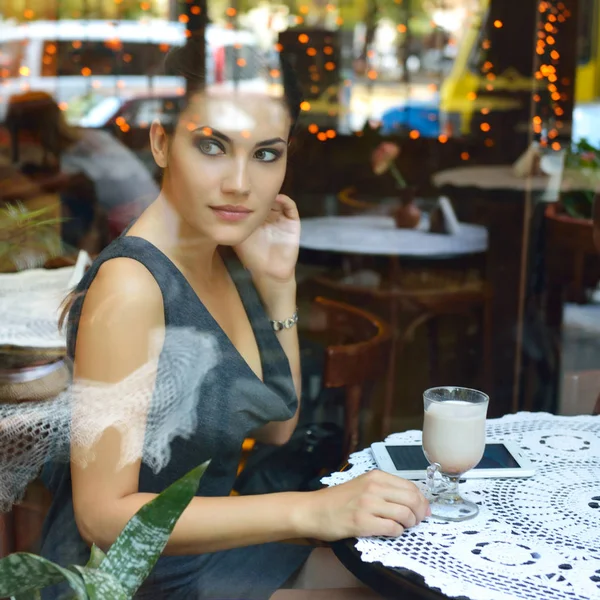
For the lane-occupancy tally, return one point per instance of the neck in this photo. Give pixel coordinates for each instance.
(192, 252)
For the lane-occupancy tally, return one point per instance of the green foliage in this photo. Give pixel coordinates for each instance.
(32, 229)
(582, 167)
(117, 574)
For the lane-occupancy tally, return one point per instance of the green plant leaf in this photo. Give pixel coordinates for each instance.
(96, 557)
(22, 572)
(136, 550)
(101, 586)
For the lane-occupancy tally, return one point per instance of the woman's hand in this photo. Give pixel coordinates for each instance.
(271, 252)
(372, 504)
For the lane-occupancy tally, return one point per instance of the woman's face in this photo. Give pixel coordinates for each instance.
(226, 163)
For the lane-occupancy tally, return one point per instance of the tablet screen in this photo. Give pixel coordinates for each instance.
(411, 458)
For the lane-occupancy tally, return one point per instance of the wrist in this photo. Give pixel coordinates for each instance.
(302, 515)
(279, 298)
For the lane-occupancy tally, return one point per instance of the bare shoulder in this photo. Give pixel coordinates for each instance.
(121, 315)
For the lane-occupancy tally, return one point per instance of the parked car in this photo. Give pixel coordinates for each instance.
(129, 120)
(420, 115)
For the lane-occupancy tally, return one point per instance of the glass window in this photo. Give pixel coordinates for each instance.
(585, 41)
(11, 57)
(110, 57)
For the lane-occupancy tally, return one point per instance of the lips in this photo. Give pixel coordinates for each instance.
(231, 212)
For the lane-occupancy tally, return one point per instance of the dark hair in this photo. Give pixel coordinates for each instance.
(187, 62)
(38, 113)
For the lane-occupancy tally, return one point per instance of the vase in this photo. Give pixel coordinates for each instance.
(406, 214)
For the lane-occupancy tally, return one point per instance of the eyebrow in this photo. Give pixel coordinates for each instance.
(227, 139)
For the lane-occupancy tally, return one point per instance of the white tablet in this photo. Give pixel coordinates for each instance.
(500, 460)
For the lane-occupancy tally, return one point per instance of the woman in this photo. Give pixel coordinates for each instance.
(224, 162)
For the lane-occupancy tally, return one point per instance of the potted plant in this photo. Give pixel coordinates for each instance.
(383, 160)
(117, 574)
(569, 224)
(570, 219)
(28, 237)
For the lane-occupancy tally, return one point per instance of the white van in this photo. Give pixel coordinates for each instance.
(80, 62)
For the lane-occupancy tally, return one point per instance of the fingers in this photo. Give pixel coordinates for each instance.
(287, 206)
(396, 492)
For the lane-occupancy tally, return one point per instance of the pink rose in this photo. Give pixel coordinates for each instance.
(588, 156)
(383, 156)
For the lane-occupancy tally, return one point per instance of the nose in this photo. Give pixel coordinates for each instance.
(237, 180)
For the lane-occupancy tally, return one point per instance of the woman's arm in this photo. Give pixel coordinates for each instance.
(279, 300)
(271, 254)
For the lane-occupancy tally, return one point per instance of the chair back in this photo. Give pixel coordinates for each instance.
(356, 354)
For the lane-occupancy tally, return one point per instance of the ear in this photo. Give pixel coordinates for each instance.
(159, 144)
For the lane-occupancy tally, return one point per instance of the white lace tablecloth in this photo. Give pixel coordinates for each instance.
(30, 304)
(378, 235)
(535, 538)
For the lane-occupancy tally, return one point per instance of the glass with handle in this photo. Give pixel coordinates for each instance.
(453, 443)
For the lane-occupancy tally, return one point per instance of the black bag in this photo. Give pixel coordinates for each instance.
(313, 451)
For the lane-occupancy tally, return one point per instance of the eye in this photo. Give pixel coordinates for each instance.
(267, 155)
(210, 147)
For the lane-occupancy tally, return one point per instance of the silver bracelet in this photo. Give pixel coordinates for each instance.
(285, 324)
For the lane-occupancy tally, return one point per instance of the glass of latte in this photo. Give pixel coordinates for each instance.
(453, 443)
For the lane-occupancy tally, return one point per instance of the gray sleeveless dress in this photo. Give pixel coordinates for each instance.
(231, 403)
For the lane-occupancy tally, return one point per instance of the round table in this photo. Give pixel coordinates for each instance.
(378, 235)
(533, 538)
(489, 177)
(502, 177)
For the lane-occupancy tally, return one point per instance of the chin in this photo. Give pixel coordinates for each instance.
(231, 235)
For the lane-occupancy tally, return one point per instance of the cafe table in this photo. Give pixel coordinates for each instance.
(534, 538)
(377, 235)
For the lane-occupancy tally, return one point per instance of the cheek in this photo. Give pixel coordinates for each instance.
(268, 179)
(189, 172)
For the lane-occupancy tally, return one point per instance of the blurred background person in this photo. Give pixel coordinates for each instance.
(43, 142)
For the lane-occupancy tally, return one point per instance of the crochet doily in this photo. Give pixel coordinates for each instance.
(149, 411)
(30, 303)
(534, 538)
